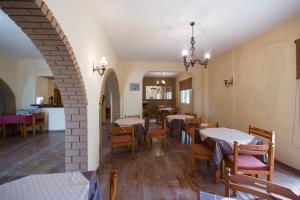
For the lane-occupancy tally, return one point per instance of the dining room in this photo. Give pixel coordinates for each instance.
(149, 99)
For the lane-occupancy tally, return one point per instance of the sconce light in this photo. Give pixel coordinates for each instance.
(228, 83)
(102, 68)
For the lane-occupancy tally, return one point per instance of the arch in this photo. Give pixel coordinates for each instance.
(110, 83)
(8, 96)
(39, 24)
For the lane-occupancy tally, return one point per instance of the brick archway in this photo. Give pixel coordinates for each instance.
(8, 96)
(39, 24)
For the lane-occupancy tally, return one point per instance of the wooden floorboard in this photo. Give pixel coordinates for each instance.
(154, 174)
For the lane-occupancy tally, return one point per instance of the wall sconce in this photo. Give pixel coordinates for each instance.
(100, 70)
(228, 83)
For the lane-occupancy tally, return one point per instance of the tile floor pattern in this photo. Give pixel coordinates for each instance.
(153, 174)
(20, 157)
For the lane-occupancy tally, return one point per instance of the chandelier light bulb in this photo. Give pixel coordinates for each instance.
(163, 82)
(207, 55)
(184, 52)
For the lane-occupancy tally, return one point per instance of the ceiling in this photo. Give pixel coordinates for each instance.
(14, 41)
(158, 30)
(162, 74)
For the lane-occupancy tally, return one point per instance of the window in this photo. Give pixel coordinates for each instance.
(185, 96)
(169, 95)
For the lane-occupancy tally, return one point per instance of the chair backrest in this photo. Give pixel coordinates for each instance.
(213, 125)
(193, 123)
(256, 187)
(39, 117)
(132, 116)
(270, 135)
(113, 185)
(121, 130)
(192, 114)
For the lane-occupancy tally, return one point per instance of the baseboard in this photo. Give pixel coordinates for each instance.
(55, 131)
(287, 167)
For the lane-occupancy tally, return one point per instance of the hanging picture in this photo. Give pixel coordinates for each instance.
(134, 87)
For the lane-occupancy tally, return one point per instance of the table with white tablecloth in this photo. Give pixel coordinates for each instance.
(139, 128)
(221, 141)
(176, 124)
(59, 186)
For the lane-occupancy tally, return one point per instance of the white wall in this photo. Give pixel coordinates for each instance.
(20, 74)
(89, 44)
(133, 72)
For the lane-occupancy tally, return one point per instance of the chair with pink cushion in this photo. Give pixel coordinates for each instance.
(159, 133)
(121, 137)
(247, 159)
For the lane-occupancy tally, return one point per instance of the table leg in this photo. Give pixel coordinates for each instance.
(4, 131)
(24, 130)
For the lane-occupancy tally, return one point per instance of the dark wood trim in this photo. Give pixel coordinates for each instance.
(287, 167)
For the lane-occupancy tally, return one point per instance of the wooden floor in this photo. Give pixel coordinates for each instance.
(154, 174)
(44, 153)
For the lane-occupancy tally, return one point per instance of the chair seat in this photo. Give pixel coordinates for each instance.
(249, 162)
(202, 150)
(121, 139)
(156, 133)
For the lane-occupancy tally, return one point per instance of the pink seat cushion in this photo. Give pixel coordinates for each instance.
(121, 139)
(249, 162)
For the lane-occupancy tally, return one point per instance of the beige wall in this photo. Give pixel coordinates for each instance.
(264, 88)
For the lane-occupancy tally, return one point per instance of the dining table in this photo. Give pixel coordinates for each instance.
(15, 119)
(67, 186)
(221, 141)
(139, 128)
(177, 124)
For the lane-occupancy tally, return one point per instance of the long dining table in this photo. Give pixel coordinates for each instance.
(221, 141)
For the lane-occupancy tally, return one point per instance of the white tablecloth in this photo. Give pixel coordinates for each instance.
(183, 117)
(166, 109)
(226, 134)
(130, 122)
(61, 186)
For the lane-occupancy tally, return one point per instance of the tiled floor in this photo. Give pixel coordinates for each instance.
(154, 174)
(35, 155)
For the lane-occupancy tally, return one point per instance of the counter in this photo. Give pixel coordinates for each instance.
(55, 118)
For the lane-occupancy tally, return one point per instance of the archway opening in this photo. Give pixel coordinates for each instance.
(109, 108)
(38, 22)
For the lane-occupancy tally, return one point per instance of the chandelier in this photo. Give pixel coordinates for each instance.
(161, 82)
(190, 61)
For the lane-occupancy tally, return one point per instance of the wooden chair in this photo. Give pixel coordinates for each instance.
(270, 135)
(213, 125)
(121, 137)
(160, 133)
(256, 187)
(132, 116)
(40, 121)
(191, 123)
(245, 159)
(113, 185)
(192, 114)
(201, 152)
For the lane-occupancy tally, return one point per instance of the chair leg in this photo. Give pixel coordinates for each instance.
(165, 144)
(217, 176)
(24, 130)
(111, 154)
(270, 177)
